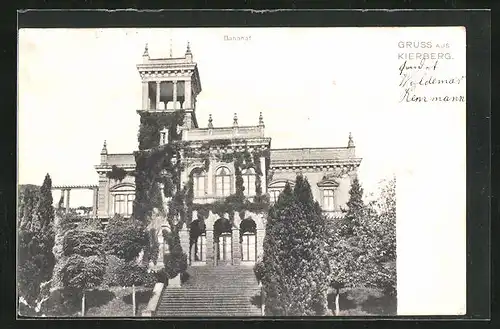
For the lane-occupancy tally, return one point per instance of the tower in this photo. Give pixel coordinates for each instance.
(170, 84)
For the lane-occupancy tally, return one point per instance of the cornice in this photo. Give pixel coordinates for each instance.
(304, 163)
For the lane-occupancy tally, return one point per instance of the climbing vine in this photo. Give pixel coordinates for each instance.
(158, 176)
(153, 122)
(117, 173)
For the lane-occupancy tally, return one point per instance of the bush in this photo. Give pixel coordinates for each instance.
(82, 242)
(115, 264)
(149, 280)
(62, 302)
(175, 263)
(354, 312)
(161, 276)
(258, 270)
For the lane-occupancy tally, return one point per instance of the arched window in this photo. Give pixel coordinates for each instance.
(223, 182)
(248, 240)
(275, 188)
(249, 181)
(199, 187)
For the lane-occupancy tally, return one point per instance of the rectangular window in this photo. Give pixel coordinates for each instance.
(248, 247)
(274, 194)
(123, 204)
(199, 186)
(225, 247)
(223, 185)
(130, 204)
(249, 184)
(328, 200)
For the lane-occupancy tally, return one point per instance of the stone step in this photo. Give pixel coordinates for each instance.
(209, 314)
(238, 309)
(206, 306)
(219, 291)
(211, 296)
(203, 306)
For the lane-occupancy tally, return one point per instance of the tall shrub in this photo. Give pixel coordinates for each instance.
(35, 242)
(295, 260)
(86, 264)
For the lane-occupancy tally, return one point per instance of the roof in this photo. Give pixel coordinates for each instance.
(330, 153)
(278, 156)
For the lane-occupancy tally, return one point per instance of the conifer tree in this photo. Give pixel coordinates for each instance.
(295, 259)
(36, 240)
(347, 255)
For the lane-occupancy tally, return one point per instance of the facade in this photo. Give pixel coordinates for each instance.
(171, 84)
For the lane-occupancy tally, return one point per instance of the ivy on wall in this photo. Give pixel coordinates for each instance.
(116, 173)
(161, 165)
(153, 122)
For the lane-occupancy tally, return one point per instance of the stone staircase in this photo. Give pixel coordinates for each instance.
(213, 291)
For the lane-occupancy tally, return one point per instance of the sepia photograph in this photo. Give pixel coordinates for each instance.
(241, 172)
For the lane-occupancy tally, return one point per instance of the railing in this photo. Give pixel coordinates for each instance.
(154, 300)
(224, 132)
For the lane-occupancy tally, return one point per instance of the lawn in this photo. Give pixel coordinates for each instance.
(109, 302)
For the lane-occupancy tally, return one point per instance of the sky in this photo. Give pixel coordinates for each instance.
(78, 88)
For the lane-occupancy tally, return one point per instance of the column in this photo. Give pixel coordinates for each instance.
(187, 94)
(184, 237)
(175, 95)
(67, 200)
(101, 196)
(235, 238)
(161, 249)
(210, 247)
(210, 177)
(263, 178)
(145, 95)
(94, 202)
(260, 241)
(158, 93)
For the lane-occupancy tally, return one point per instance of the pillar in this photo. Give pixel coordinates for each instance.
(101, 196)
(184, 237)
(145, 95)
(158, 93)
(210, 247)
(94, 202)
(235, 238)
(161, 251)
(260, 241)
(263, 179)
(260, 233)
(210, 177)
(67, 200)
(187, 94)
(175, 95)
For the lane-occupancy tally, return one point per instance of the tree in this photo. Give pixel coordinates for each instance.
(125, 238)
(362, 245)
(132, 274)
(28, 202)
(86, 263)
(295, 259)
(346, 254)
(381, 237)
(35, 241)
